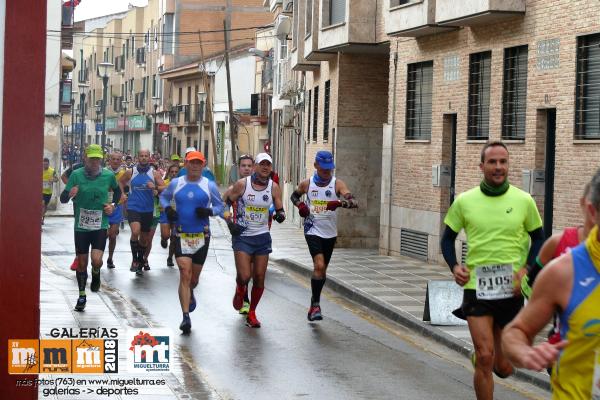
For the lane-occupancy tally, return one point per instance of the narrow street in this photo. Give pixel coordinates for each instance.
(352, 353)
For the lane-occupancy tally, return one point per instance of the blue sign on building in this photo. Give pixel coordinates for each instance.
(80, 128)
(99, 127)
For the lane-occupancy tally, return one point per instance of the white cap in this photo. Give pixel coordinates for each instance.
(261, 157)
(190, 149)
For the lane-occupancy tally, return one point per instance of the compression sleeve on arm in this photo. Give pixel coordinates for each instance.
(64, 197)
(537, 241)
(447, 245)
(116, 195)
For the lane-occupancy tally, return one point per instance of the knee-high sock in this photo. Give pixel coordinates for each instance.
(255, 298)
(141, 253)
(134, 249)
(316, 286)
(81, 281)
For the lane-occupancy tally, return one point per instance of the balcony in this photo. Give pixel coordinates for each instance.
(477, 12)
(412, 18)
(259, 108)
(297, 60)
(65, 95)
(67, 20)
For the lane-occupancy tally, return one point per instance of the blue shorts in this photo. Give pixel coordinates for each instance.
(163, 218)
(259, 245)
(117, 216)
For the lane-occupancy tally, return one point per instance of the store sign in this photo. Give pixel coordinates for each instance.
(134, 123)
(164, 128)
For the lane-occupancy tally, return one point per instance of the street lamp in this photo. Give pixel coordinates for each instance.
(97, 121)
(73, 96)
(104, 68)
(201, 100)
(155, 103)
(124, 107)
(83, 89)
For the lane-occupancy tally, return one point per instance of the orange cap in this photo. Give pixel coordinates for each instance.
(195, 155)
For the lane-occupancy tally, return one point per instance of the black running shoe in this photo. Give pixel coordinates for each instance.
(133, 267)
(164, 243)
(192, 301)
(80, 306)
(139, 271)
(170, 262)
(146, 266)
(186, 324)
(110, 264)
(95, 285)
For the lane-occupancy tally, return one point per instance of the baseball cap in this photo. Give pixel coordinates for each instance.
(195, 155)
(175, 157)
(190, 149)
(262, 157)
(325, 159)
(94, 151)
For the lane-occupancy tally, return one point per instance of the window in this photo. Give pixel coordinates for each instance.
(587, 94)
(480, 73)
(189, 95)
(326, 112)
(337, 12)
(180, 95)
(418, 101)
(315, 113)
(514, 99)
(168, 38)
(308, 112)
(396, 3)
(153, 85)
(308, 17)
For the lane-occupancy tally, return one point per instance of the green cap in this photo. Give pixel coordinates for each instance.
(175, 157)
(94, 151)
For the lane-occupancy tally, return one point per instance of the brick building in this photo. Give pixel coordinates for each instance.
(461, 73)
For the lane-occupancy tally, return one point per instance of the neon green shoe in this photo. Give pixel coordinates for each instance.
(245, 308)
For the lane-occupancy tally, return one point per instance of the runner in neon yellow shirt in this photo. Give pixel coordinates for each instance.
(499, 221)
(48, 179)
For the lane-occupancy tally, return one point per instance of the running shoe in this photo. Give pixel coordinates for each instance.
(251, 320)
(245, 308)
(146, 266)
(186, 324)
(139, 271)
(314, 313)
(110, 264)
(170, 262)
(95, 285)
(133, 267)
(238, 298)
(74, 265)
(192, 301)
(164, 243)
(80, 306)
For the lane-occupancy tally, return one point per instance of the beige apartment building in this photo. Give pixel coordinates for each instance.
(462, 73)
(145, 42)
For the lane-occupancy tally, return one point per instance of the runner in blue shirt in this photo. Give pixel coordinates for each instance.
(196, 199)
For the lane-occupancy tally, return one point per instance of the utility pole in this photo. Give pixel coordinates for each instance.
(208, 111)
(232, 124)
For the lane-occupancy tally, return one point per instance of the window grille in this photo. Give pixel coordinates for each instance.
(478, 126)
(514, 99)
(587, 94)
(419, 100)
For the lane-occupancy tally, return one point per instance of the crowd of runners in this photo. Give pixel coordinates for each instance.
(508, 259)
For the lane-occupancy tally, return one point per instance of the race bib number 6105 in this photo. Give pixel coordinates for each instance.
(494, 282)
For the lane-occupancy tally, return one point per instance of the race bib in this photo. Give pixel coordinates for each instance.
(256, 215)
(90, 220)
(318, 206)
(191, 242)
(46, 185)
(596, 379)
(494, 282)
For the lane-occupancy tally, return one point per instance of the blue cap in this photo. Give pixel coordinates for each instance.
(325, 159)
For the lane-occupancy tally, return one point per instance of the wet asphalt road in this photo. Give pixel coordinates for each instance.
(345, 356)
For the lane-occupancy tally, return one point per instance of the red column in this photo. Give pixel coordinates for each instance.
(21, 152)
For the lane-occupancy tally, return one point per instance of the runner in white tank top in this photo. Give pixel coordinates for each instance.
(324, 194)
(251, 240)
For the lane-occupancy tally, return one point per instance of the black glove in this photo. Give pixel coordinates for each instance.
(234, 228)
(202, 212)
(279, 216)
(172, 215)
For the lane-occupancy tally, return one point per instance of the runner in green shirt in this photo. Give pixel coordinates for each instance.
(499, 220)
(89, 187)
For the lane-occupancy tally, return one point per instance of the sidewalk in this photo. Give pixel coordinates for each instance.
(107, 309)
(392, 286)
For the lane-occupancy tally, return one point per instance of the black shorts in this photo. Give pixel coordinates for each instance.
(319, 245)
(83, 241)
(198, 257)
(144, 218)
(46, 198)
(503, 311)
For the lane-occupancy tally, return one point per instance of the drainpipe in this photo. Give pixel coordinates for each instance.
(391, 172)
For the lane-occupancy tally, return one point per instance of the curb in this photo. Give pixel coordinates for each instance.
(405, 319)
